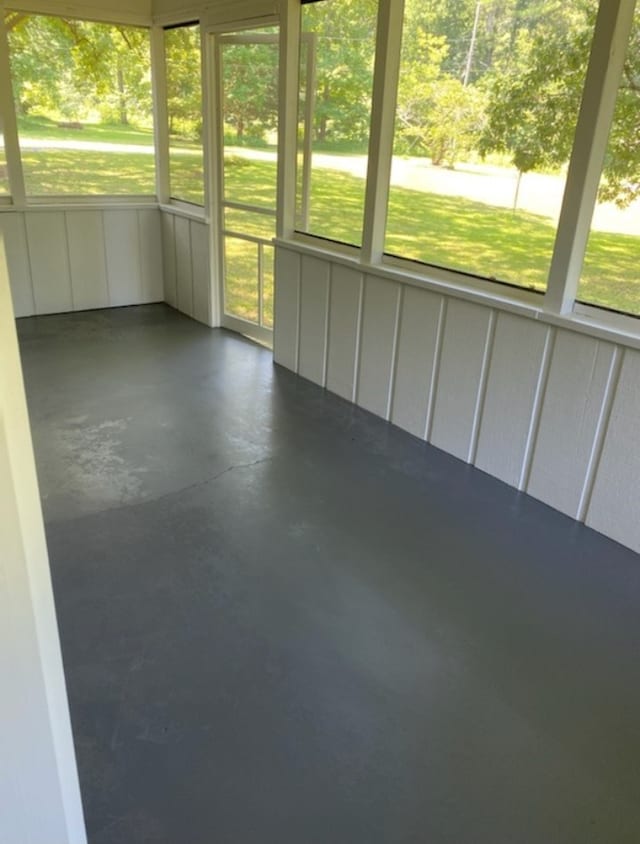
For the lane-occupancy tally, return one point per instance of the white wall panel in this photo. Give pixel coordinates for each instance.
(287, 294)
(416, 354)
(184, 271)
(615, 502)
(314, 300)
(49, 260)
(514, 370)
(169, 259)
(15, 240)
(377, 342)
(151, 269)
(39, 792)
(459, 376)
(344, 326)
(87, 259)
(200, 271)
(529, 403)
(123, 256)
(568, 420)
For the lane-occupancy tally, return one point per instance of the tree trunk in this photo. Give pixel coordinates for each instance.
(122, 97)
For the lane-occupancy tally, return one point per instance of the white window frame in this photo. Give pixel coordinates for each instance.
(558, 303)
(19, 200)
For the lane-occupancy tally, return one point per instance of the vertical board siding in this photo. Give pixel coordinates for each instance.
(513, 375)
(87, 259)
(12, 226)
(344, 316)
(615, 500)
(200, 271)
(568, 420)
(286, 309)
(417, 341)
(459, 377)
(150, 236)
(377, 344)
(169, 259)
(184, 272)
(123, 257)
(49, 261)
(314, 293)
(551, 410)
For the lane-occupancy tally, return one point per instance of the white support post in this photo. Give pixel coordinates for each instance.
(39, 792)
(310, 39)
(9, 124)
(288, 80)
(613, 26)
(385, 86)
(213, 99)
(209, 173)
(160, 114)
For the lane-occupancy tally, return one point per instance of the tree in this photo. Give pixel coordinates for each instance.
(345, 32)
(436, 113)
(535, 92)
(78, 70)
(184, 86)
(250, 84)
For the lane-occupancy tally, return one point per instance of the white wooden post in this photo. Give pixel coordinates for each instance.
(213, 97)
(39, 793)
(9, 124)
(160, 114)
(385, 86)
(613, 26)
(310, 39)
(288, 116)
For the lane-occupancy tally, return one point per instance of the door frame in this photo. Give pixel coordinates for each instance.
(216, 36)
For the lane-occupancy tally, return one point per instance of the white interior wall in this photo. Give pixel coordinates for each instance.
(74, 259)
(551, 411)
(39, 793)
(187, 265)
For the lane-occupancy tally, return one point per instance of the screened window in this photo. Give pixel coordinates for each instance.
(488, 100)
(4, 176)
(337, 57)
(83, 101)
(184, 111)
(611, 272)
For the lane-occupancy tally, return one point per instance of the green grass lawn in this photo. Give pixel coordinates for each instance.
(446, 231)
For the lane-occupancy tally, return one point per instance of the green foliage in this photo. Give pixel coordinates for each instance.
(535, 93)
(184, 82)
(79, 71)
(344, 35)
(536, 86)
(437, 114)
(250, 84)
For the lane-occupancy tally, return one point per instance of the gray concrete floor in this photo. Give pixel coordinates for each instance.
(284, 621)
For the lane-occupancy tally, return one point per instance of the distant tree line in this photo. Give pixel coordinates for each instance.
(478, 77)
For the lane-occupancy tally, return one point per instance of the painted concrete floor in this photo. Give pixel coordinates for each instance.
(286, 622)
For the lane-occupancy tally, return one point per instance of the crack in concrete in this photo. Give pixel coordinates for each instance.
(152, 500)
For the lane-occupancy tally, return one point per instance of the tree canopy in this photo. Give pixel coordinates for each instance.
(478, 77)
(78, 70)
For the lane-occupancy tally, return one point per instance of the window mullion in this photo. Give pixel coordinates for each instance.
(10, 125)
(613, 26)
(160, 117)
(288, 85)
(385, 87)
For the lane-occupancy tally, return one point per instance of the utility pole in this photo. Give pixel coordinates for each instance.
(472, 45)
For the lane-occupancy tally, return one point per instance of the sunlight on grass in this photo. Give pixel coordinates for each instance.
(64, 172)
(186, 176)
(445, 231)
(241, 278)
